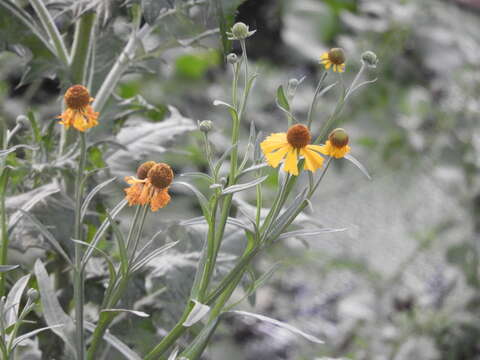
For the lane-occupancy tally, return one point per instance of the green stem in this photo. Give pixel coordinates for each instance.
(51, 29)
(79, 280)
(81, 49)
(4, 230)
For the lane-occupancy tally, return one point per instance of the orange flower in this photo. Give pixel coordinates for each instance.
(150, 186)
(79, 113)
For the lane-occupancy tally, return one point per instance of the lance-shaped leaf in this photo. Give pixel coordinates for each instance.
(14, 148)
(52, 311)
(91, 194)
(200, 197)
(280, 324)
(359, 165)
(308, 233)
(13, 300)
(140, 263)
(24, 337)
(6, 268)
(241, 187)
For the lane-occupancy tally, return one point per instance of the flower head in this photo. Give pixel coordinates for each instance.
(335, 57)
(290, 145)
(150, 186)
(79, 113)
(337, 144)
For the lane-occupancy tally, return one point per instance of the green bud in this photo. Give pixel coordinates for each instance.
(338, 137)
(232, 58)
(240, 31)
(205, 126)
(370, 59)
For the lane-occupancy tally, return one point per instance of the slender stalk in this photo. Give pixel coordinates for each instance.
(82, 46)
(51, 29)
(4, 230)
(78, 285)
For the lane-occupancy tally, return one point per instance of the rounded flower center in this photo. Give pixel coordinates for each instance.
(338, 138)
(160, 175)
(299, 136)
(77, 97)
(143, 169)
(336, 56)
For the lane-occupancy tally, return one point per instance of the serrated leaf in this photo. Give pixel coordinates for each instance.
(52, 311)
(241, 187)
(280, 324)
(198, 312)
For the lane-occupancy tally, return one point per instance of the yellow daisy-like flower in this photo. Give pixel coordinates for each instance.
(150, 186)
(334, 58)
(336, 145)
(79, 113)
(290, 145)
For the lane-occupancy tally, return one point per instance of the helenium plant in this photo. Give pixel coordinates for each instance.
(297, 157)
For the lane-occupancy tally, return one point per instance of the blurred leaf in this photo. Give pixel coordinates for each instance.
(140, 263)
(282, 99)
(133, 312)
(280, 324)
(308, 233)
(24, 337)
(91, 194)
(6, 268)
(358, 164)
(151, 10)
(52, 311)
(200, 197)
(194, 66)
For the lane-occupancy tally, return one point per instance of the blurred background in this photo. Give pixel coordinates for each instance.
(402, 282)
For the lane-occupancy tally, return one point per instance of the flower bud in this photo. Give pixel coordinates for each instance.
(33, 295)
(370, 59)
(232, 58)
(205, 126)
(338, 137)
(23, 121)
(293, 83)
(240, 31)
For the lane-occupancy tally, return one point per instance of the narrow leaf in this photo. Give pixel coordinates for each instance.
(280, 324)
(200, 197)
(91, 194)
(282, 99)
(308, 233)
(13, 300)
(23, 337)
(14, 148)
(144, 261)
(198, 312)
(52, 311)
(241, 187)
(48, 235)
(359, 165)
(134, 312)
(6, 268)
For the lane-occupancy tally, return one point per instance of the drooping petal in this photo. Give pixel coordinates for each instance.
(274, 158)
(291, 162)
(313, 161)
(160, 199)
(328, 65)
(324, 56)
(145, 196)
(133, 193)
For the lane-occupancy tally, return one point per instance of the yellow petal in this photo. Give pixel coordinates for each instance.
(291, 162)
(328, 65)
(274, 158)
(324, 56)
(313, 161)
(342, 68)
(273, 142)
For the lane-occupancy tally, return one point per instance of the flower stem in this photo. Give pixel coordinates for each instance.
(78, 285)
(4, 230)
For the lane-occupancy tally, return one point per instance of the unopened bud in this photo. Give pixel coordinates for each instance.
(33, 295)
(338, 138)
(240, 31)
(205, 126)
(232, 58)
(370, 59)
(23, 121)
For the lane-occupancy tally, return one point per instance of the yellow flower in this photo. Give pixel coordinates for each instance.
(79, 113)
(150, 186)
(336, 145)
(290, 145)
(335, 57)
